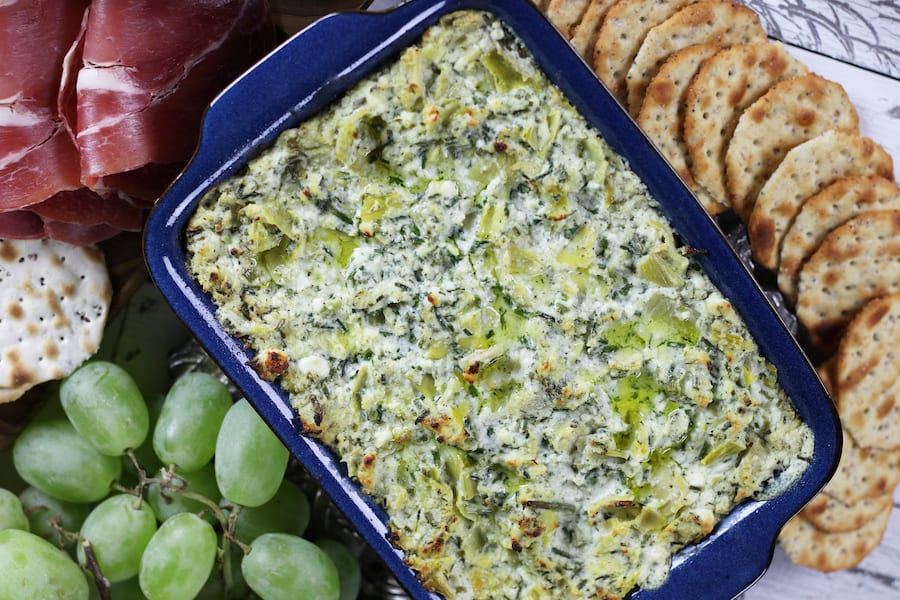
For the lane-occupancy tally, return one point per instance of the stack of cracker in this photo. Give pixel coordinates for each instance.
(750, 130)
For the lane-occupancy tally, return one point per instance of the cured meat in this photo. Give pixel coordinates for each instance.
(21, 225)
(37, 157)
(90, 208)
(148, 71)
(101, 104)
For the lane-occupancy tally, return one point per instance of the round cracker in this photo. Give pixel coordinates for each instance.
(720, 22)
(868, 360)
(807, 169)
(833, 514)
(725, 85)
(855, 262)
(830, 208)
(621, 34)
(825, 551)
(863, 472)
(54, 298)
(791, 112)
(584, 33)
(662, 113)
(565, 14)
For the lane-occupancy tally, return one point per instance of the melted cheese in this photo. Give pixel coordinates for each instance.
(488, 319)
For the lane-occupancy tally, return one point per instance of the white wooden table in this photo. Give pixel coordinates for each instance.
(856, 44)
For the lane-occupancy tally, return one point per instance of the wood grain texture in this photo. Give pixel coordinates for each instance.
(864, 33)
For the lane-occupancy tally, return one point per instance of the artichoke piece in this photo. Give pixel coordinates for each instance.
(663, 266)
(579, 252)
(659, 324)
(723, 450)
(338, 245)
(506, 75)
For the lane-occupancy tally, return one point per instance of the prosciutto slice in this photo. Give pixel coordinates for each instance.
(101, 103)
(37, 156)
(148, 71)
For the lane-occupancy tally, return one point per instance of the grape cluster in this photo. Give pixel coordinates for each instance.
(186, 498)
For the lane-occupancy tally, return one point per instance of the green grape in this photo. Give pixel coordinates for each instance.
(106, 407)
(281, 566)
(169, 502)
(12, 515)
(250, 460)
(53, 457)
(179, 558)
(185, 434)
(32, 568)
(287, 512)
(347, 565)
(118, 529)
(43, 510)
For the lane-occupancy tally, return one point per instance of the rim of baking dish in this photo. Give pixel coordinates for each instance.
(248, 116)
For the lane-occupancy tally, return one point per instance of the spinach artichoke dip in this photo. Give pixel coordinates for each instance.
(474, 302)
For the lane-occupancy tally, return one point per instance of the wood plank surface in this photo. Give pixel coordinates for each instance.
(865, 33)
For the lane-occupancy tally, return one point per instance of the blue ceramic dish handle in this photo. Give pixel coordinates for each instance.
(308, 72)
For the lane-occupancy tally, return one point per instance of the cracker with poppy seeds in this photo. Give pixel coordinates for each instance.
(720, 22)
(829, 513)
(584, 33)
(856, 262)
(830, 208)
(868, 389)
(809, 546)
(791, 112)
(54, 298)
(565, 14)
(662, 113)
(807, 169)
(725, 85)
(863, 472)
(621, 34)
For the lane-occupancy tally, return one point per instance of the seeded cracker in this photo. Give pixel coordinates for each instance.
(584, 33)
(54, 299)
(856, 262)
(830, 208)
(621, 34)
(791, 112)
(719, 22)
(806, 170)
(724, 86)
(565, 14)
(662, 113)
(868, 389)
(863, 472)
(809, 546)
(832, 514)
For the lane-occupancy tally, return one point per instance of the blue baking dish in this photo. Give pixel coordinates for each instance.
(316, 66)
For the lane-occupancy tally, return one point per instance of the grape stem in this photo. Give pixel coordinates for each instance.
(94, 567)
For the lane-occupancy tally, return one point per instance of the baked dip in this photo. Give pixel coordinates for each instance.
(476, 304)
